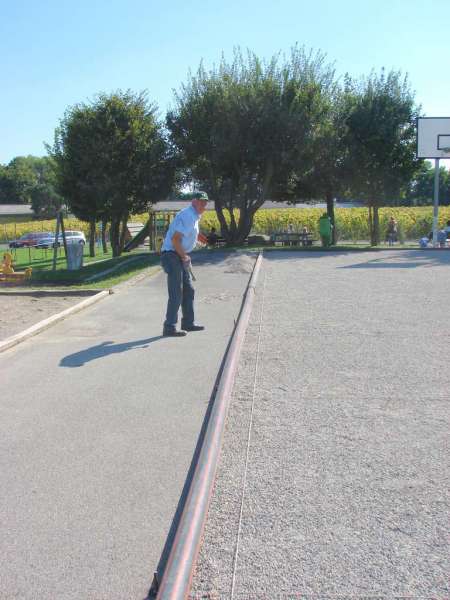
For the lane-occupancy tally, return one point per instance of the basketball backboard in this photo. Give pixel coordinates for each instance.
(433, 137)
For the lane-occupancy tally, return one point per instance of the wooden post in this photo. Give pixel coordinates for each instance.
(55, 245)
(63, 231)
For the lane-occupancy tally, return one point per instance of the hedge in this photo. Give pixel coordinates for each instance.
(351, 223)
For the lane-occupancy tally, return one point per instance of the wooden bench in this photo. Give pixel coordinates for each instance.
(293, 239)
(221, 241)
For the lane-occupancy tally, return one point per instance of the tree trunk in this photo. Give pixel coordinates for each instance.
(104, 242)
(376, 226)
(245, 223)
(224, 230)
(330, 213)
(92, 236)
(370, 225)
(123, 232)
(115, 235)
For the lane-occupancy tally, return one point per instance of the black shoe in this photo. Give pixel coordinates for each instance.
(192, 327)
(168, 332)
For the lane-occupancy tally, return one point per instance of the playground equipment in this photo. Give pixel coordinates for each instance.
(7, 273)
(155, 229)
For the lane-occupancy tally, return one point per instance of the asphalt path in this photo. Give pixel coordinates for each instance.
(335, 469)
(99, 419)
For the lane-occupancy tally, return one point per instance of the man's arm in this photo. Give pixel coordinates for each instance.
(176, 241)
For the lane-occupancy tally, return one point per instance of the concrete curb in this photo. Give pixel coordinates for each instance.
(38, 327)
(46, 323)
(121, 265)
(178, 572)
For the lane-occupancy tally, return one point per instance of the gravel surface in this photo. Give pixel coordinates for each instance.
(346, 491)
(20, 310)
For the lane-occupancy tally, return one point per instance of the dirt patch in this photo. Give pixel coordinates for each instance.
(20, 310)
(239, 264)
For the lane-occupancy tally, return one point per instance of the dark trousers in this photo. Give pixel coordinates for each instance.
(181, 292)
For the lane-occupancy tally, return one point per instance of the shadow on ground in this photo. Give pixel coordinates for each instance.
(397, 258)
(78, 359)
(404, 260)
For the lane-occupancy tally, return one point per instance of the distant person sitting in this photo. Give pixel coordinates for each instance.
(442, 238)
(212, 237)
(447, 229)
(442, 235)
(304, 236)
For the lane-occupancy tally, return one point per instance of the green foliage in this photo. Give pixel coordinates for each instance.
(380, 140)
(422, 187)
(22, 175)
(351, 223)
(45, 202)
(380, 136)
(5, 185)
(244, 127)
(112, 159)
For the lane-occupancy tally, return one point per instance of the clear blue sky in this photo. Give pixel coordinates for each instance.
(57, 53)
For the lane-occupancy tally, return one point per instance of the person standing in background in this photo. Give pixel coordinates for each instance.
(392, 230)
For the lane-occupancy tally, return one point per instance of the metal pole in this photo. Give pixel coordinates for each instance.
(436, 202)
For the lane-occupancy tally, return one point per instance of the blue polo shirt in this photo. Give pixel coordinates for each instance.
(185, 222)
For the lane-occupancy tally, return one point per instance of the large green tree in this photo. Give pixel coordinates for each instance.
(245, 130)
(45, 201)
(327, 177)
(113, 159)
(421, 190)
(21, 175)
(5, 185)
(380, 138)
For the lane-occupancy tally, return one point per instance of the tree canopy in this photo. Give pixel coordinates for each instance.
(421, 188)
(245, 129)
(21, 175)
(380, 140)
(113, 159)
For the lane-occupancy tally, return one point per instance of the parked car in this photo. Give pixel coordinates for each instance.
(29, 239)
(46, 242)
(72, 237)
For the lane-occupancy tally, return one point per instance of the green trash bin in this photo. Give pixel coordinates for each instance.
(325, 229)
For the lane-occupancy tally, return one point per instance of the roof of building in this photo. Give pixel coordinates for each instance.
(15, 209)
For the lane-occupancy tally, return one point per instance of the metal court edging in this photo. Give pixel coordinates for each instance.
(177, 576)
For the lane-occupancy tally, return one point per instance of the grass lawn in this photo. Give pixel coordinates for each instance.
(99, 272)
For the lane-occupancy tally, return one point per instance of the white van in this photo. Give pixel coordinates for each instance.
(73, 237)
